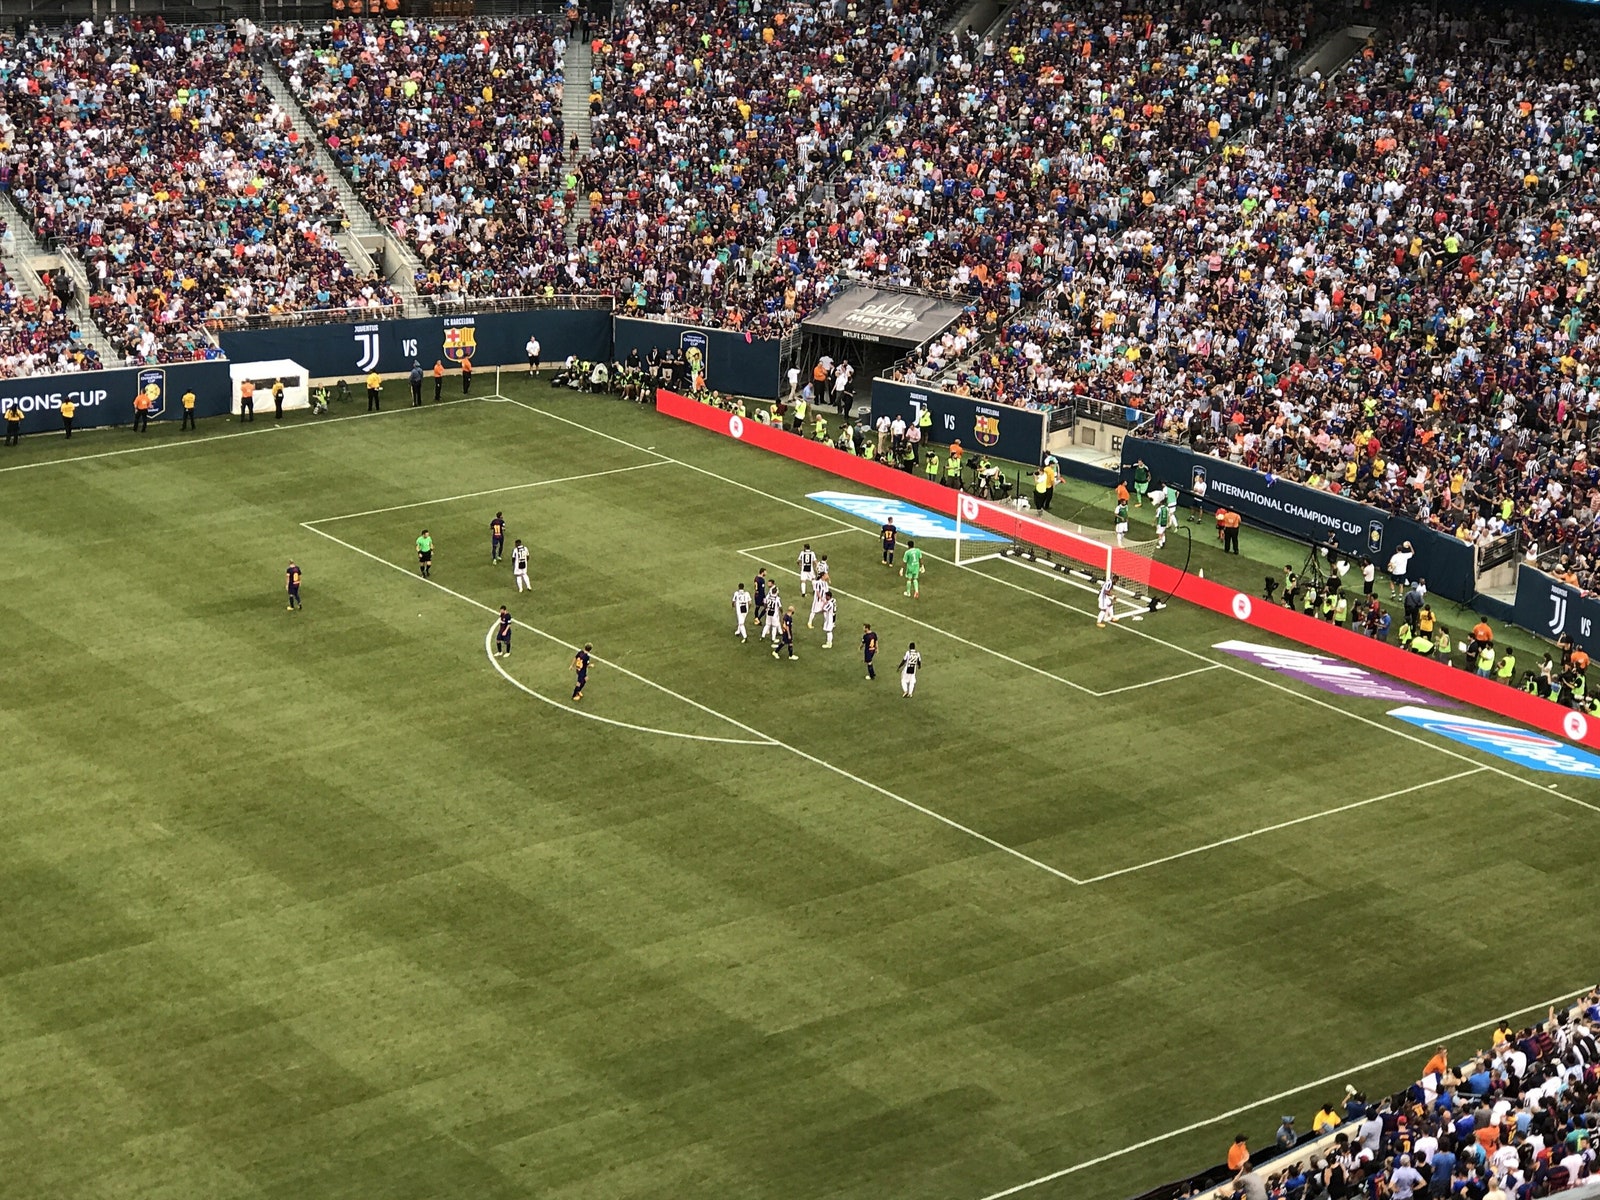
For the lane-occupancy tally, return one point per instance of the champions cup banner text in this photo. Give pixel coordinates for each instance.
(1306, 514)
(106, 397)
(1562, 723)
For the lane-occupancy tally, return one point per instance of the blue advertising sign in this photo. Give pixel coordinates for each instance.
(106, 397)
(911, 521)
(153, 383)
(1548, 607)
(1017, 434)
(1519, 746)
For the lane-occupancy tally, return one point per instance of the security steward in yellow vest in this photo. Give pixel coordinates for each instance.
(69, 409)
(188, 411)
(374, 392)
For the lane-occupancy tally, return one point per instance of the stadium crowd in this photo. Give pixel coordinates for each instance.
(1518, 1120)
(452, 134)
(159, 158)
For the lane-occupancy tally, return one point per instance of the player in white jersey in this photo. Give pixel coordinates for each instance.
(741, 610)
(910, 664)
(822, 569)
(808, 567)
(830, 614)
(1107, 603)
(519, 566)
(819, 598)
(770, 618)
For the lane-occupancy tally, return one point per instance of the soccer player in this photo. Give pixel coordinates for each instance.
(502, 634)
(912, 570)
(759, 602)
(519, 566)
(830, 613)
(741, 610)
(869, 649)
(1107, 603)
(293, 578)
(808, 567)
(909, 663)
(888, 535)
(1121, 519)
(822, 571)
(580, 664)
(786, 635)
(497, 537)
(819, 597)
(1163, 516)
(425, 554)
(772, 617)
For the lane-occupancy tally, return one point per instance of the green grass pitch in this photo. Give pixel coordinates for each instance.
(331, 904)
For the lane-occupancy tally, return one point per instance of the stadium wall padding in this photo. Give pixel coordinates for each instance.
(735, 362)
(1296, 627)
(1014, 433)
(106, 397)
(349, 351)
(1308, 515)
(1547, 607)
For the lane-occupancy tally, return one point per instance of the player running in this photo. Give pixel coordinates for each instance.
(830, 614)
(869, 649)
(887, 535)
(772, 616)
(785, 635)
(519, 566)
(292, 578)
(910, 662)
(1107, 602)
(580, 664)
(497, 537)
(502, 634)
(741, 610)
(425, 554)
(912, 570)
(807, 563)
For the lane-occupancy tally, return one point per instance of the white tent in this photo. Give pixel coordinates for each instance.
(296, 382)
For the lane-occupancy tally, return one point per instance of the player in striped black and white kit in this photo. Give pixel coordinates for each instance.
(1107, 603)
(519, 566)
(808, 567)
(910, 664)
(830, 614)
(819, 597)
(741, 610)
(770, 616)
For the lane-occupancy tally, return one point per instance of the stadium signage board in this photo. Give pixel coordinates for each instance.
(1548, 607)
(1328, 673)
(1520, 746)
(911, 521)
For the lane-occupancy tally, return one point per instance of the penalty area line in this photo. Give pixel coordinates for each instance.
(1288, 1094)
(766, 738)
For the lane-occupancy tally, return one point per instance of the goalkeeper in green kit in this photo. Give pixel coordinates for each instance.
(912, 570)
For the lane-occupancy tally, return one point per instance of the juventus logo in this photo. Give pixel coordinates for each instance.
(368, 342)
(1558, 617)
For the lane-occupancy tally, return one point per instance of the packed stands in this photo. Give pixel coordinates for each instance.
(157, 156)
(711, 127)
(1517, 1119)
(452, 133)
(36, 335)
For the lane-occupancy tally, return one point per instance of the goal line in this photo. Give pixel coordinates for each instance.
(1082, 555)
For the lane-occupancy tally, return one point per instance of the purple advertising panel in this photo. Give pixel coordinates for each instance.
(1330, 674)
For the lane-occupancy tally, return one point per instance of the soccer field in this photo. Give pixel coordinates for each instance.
(334, 903)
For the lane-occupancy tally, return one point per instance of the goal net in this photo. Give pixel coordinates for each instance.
(1079, 551)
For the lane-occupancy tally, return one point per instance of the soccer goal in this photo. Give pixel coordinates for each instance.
(1082, 555)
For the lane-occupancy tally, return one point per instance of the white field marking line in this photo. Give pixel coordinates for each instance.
(488, 649)
(1336, 1077)
(954, 637)
(1301, 696)
(1126, 628)
(1134, 687)
(768, 739)
(1316, 816)
(815, 537)
(515, 487)
(1129, 608)
(218, 437)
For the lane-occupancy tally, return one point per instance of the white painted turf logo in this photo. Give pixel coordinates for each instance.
(1520, 746)
(911, 521)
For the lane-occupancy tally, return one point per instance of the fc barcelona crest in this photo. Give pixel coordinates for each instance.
(153, 384)
(460, 342)
(986, 430)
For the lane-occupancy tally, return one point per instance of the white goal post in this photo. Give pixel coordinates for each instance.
(1074, 549)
